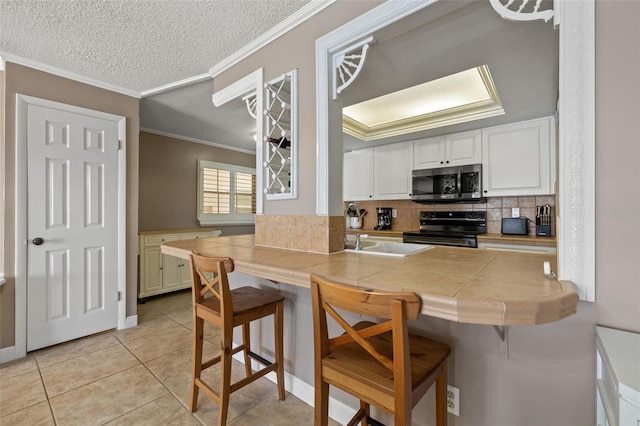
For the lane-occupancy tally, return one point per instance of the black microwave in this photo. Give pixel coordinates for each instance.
(447, 184)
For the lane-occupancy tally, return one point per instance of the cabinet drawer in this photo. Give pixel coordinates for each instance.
(192, 235)
(156, 240)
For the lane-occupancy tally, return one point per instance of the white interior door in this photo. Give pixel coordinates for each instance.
(72, 225)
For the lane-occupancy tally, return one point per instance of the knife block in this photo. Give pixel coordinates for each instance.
(543, 231)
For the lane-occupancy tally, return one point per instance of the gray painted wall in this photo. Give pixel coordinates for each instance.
(169, 179)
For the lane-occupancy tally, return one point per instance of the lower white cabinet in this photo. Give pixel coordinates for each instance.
(519, 159)
(617, 377)
(160, 273)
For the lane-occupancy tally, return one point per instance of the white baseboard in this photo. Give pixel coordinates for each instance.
(131, 321)
(338, 411)
(7, 354)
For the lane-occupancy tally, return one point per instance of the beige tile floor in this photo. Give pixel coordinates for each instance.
(137, 376)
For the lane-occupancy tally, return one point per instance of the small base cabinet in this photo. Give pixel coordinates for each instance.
(617, 377)
(160, 273)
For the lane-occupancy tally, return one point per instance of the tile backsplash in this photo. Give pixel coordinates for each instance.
(408, 212)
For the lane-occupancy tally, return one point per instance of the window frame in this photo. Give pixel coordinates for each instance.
(233, 218)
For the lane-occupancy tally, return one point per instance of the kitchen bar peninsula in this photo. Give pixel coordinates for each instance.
(477, 286)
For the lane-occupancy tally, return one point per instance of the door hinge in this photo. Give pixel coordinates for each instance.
(119, 296)
(120, 144)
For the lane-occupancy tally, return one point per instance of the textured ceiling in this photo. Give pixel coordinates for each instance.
(138, 45)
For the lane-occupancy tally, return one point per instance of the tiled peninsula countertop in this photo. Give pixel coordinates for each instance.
(458, 284)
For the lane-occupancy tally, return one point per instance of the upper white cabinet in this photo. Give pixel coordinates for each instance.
(392, 171)
(519, 159)
(380, 173)
(357, 175)
(457, 149)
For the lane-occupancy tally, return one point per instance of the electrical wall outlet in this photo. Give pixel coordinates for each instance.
(453, 400)
(394, 213)
(515, 211)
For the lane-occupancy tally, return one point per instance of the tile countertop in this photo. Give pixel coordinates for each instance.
(457, 284)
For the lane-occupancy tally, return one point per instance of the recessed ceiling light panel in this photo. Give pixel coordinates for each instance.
(457, 98)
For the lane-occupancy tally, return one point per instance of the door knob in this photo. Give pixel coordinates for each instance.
(37, 241)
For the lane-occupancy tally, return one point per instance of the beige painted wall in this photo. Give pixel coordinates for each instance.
(549, 377)
(296, 49)
(28, 81)
(169, 178)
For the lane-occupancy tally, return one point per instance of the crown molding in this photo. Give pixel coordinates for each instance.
(309, 10)
(175, 85)
(8, 57)
(463, 114)
(194, 140)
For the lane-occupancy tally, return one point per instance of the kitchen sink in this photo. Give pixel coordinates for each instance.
(389, 249)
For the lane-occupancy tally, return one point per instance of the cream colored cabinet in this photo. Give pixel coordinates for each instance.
(519, 159)
(457, 149)
(160, 273)
(380, 173)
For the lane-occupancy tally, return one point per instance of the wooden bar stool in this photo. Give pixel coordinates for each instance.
(381, 364)
(226, 309)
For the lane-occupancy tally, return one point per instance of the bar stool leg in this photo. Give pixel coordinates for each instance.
(225, 380)
(366, 408)
(196, 365)
(278, 323)
(321, 411)
(246, 341)
(441, 397)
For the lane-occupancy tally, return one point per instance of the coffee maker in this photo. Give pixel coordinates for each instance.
(384, 218)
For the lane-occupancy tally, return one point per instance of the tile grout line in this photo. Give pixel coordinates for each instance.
(46, 393)
(143, 363)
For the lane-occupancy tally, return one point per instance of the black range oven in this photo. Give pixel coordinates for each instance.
(451, 228)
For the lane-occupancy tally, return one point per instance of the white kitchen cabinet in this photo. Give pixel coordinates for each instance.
(357, 175)
(160, 273)
(380, 173)
(392, 171)
(617, 377)
(457, 149)
(519, 159)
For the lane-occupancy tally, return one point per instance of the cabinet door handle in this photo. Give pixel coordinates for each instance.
(442, 162)
(161, 268)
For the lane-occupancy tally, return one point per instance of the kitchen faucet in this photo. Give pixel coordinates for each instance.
(350, 207)
(358, 245)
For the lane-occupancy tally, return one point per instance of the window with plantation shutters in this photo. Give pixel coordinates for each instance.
(226, 193)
